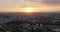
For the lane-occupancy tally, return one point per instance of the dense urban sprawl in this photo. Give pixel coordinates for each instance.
(30, 23)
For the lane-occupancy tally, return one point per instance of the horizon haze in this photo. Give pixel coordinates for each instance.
(37, 5)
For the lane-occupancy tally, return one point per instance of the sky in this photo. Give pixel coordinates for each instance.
(39, 5)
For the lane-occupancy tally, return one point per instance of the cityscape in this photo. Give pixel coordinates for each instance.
(35, 22)
(29, 15)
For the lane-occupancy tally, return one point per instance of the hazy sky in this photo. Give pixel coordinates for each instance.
(39, 5)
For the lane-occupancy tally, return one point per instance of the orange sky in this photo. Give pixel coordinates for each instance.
(38, 5)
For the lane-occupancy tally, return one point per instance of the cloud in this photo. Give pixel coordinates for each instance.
(48, 2)
(35, 0)
(51, 2)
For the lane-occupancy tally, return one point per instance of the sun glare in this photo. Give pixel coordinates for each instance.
(28, 9)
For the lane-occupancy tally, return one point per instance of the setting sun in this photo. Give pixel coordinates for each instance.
(28, 9)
